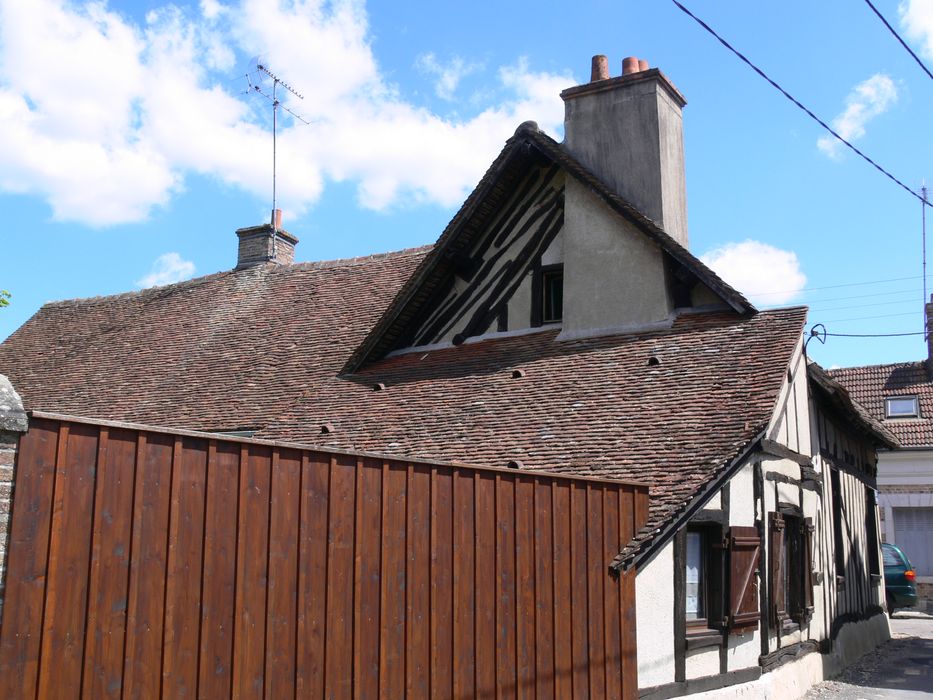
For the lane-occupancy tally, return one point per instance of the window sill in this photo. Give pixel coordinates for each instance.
(700, 637)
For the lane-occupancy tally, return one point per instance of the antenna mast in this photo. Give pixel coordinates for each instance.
(273, 98)
(923, 229)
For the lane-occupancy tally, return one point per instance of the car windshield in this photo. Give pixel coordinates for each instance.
(891, 556)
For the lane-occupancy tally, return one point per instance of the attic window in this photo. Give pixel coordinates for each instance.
(901, 407)
(552, 291)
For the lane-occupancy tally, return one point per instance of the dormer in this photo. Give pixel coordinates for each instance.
(558, 236)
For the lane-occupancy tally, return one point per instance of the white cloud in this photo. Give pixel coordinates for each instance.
(104, 117)
(167, 269)
(765, 274)
(867, 100)
(448, 76)
(917, 21)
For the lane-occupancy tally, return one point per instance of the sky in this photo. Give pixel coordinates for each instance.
(132, 146)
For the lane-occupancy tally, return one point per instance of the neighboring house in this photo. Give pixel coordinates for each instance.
(559, 323)
(901, 395)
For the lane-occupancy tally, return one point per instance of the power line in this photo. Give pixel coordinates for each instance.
(834, 286)
(854, 296)
(868, 318)
(870, 335)
(797, 102)
(898, 37)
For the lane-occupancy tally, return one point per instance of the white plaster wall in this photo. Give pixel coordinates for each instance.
(654, 608)
(742, 496)
(744, 649)
(702, 662)
(790, 424)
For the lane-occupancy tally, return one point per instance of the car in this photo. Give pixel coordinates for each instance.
(900, 578)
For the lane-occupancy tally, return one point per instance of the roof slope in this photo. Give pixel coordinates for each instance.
(871, 384)
(859, 417)
(592, 406)
(222, 352)
(528, 147)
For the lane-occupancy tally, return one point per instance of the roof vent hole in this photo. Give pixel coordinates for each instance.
(515, 464)
(654, 361)
(379, 386)
(518, 373)
(327, 428)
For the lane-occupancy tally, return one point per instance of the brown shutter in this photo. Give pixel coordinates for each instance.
(778, 594)
(745, 546)
(806, 532)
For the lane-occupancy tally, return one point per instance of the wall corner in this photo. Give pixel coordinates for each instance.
(13, 423)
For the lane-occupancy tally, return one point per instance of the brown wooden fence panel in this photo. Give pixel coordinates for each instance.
(146, 564)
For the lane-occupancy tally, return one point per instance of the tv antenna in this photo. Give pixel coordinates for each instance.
(272, 96)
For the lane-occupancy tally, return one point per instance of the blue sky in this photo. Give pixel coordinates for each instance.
(131, 152)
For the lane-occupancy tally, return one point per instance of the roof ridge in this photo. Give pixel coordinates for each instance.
(883, 365)
(163, 289)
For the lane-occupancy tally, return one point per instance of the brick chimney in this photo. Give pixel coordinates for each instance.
(265, 243)
(628, 131)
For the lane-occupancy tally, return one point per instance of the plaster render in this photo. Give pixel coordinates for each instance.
(613, 275)
(654, 608)
(742, 496)
(702, 662)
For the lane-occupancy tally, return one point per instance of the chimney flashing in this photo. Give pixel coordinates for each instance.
(627, 79)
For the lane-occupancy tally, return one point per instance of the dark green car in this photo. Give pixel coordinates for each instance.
(900, 579)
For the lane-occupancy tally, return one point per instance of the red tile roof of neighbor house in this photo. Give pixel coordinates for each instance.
(870, 385)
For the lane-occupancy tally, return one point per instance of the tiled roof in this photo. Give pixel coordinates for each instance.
(226, 351)
(598, 406)
(870, 385)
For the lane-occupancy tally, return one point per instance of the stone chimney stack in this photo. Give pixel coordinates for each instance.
(628, 131)
(265, 243)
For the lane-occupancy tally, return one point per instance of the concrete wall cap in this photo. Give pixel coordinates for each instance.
(12, 416)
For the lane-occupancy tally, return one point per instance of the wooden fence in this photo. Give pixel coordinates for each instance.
(150, 564)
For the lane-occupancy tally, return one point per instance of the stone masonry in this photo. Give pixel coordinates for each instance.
(13, 424)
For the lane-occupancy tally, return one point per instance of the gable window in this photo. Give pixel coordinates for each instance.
(552, 289)
(901, 407)
(791, 569)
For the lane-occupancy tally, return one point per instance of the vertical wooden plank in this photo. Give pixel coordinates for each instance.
(392, 619)
(525, 588)
(564, 621)
(312, 575)
(544, 588)
(370, 556)
(506, 676)
(641, 507)
(579, 581)
(143, 666)
(27, 561)
(627, 619)
(597, 575)
(281, 622)
(220, 542)
(110, 565)
(484, 487)
(338, 676)
(418, 614)
(464, 589)
(612, 590)
(357, 578)
(252, 559)
(61, 662)
(183, 583)
(442, 583)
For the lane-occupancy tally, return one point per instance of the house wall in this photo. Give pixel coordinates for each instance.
(13, 424)
(614, 276)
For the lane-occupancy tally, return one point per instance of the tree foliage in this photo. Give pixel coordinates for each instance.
(4, 298)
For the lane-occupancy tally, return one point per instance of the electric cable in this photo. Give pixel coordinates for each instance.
(898, 37)
(798, 103)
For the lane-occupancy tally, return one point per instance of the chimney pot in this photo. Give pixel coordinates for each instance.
(599, 69)
(277, 218)
(630, 65)
(642, 65)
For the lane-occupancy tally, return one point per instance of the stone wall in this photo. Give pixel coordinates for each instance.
(12, 424)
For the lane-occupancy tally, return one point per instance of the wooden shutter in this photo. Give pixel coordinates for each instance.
(745, 552)
(778, 594)
(806, 535)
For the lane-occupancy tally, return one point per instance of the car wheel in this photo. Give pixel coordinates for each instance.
(890, 605)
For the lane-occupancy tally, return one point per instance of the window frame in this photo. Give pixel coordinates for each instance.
(888, 413)
(792, 567)
(711, 628)
(545, 274)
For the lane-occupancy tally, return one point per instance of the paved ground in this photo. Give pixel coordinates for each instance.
(901, 668)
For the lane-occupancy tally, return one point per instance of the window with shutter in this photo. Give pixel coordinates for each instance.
(778, 569)
(805, 611)
(745, 553)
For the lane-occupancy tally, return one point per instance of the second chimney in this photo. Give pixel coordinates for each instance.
(628, 131)
(265, 243)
